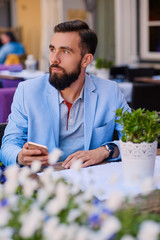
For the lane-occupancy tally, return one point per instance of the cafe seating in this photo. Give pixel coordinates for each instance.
(2, 128)
(6, 98)
(9, 83)
(118, 72)
(132, 73)
(146, 95)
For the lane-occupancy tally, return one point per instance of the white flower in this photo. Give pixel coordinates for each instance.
(12, 201)
(50, 227)
(42, 195)
(62, 190)
(29, 187)
(4, 216)
(11, 172)
(110, 226)
(55, 205)
(88, 194)
(31, 222)
(127, 237)
(36, 166)
(149, 230)
(82, 234)
(11, 186)
(24, 174)
(76, 165)
(115, 200)
(60, 232)
(55, 155)
(6, 233)
(46, 176)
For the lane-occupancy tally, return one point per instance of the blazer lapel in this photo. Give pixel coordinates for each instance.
(90, 100)
(53, 106)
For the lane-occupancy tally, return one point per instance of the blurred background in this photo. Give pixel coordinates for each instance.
(128, 31)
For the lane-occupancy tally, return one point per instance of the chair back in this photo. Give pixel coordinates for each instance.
(146, 95)
(9, 83)
(2, 128)
(118, 72)
(6, 98)
(132, 73)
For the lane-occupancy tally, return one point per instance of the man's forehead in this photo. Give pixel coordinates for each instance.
(68, 38)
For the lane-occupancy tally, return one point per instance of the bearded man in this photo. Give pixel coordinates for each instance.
(67, 108)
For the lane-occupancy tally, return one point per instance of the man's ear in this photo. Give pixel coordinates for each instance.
(87, 59)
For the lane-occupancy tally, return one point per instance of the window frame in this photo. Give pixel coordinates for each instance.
(145, 54)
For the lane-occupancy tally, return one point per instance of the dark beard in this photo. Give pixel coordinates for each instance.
(65, 80)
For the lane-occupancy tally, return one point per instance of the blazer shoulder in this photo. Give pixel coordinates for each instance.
(104, 83)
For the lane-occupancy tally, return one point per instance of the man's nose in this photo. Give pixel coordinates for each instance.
(55, 58)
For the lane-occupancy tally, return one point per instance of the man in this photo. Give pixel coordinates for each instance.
(68, 108)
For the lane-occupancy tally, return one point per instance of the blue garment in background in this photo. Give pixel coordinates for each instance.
(10, 48)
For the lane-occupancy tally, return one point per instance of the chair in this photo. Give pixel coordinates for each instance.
(146, 95)
(132, 73)
(2, 167)
(2, 128)
(118, 72)
(6, 98)
(9, 83)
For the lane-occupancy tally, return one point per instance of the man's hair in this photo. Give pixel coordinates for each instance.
(88, 37)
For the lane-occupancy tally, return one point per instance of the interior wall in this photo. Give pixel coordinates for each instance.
(72, 10)
(29, 19)
(125, 32)
(105, 29)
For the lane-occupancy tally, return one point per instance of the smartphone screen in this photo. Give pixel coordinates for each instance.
(43, 148)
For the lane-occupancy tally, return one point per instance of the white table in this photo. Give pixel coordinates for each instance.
(22, 74)
(106, 179)
(126, 88)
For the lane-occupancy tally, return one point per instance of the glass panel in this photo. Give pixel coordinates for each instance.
(154, 10)
(154, 39)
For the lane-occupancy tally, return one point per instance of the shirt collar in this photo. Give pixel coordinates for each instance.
(81, 96)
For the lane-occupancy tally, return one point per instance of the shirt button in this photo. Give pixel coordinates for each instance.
(71, 120)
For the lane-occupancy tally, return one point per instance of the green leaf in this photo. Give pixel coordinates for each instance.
(139, 125)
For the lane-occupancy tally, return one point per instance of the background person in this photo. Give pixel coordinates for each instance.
(67, 108)
(9, 46)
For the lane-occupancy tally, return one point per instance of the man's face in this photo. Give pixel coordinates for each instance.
(65, 59)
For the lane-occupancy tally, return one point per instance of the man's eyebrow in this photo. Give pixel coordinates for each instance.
(51, 46)
(67, 48)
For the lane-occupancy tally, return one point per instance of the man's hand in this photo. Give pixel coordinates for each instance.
(88, 158)
(27, 156)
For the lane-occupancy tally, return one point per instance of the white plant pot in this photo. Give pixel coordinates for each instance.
(138, 161)
(102, 73)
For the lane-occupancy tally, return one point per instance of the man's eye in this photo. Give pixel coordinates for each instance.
(65, 51)
(52, 49)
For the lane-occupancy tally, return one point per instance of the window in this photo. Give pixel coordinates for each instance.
(150, 29)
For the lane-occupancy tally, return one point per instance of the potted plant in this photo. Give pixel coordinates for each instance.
(138, 145)
(102, 67)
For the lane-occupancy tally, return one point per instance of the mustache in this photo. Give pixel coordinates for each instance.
(56, 66)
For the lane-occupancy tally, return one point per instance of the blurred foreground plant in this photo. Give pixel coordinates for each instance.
(46, 207)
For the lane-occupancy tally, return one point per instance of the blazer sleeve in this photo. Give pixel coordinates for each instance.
(16, 131)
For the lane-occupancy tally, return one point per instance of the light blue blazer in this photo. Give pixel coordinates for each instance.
(35, 115)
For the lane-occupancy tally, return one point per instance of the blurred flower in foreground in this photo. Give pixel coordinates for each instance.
(149, 230)
(45, 206)
(55, 155)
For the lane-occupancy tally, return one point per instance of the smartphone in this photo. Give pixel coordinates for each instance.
(43, 148)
